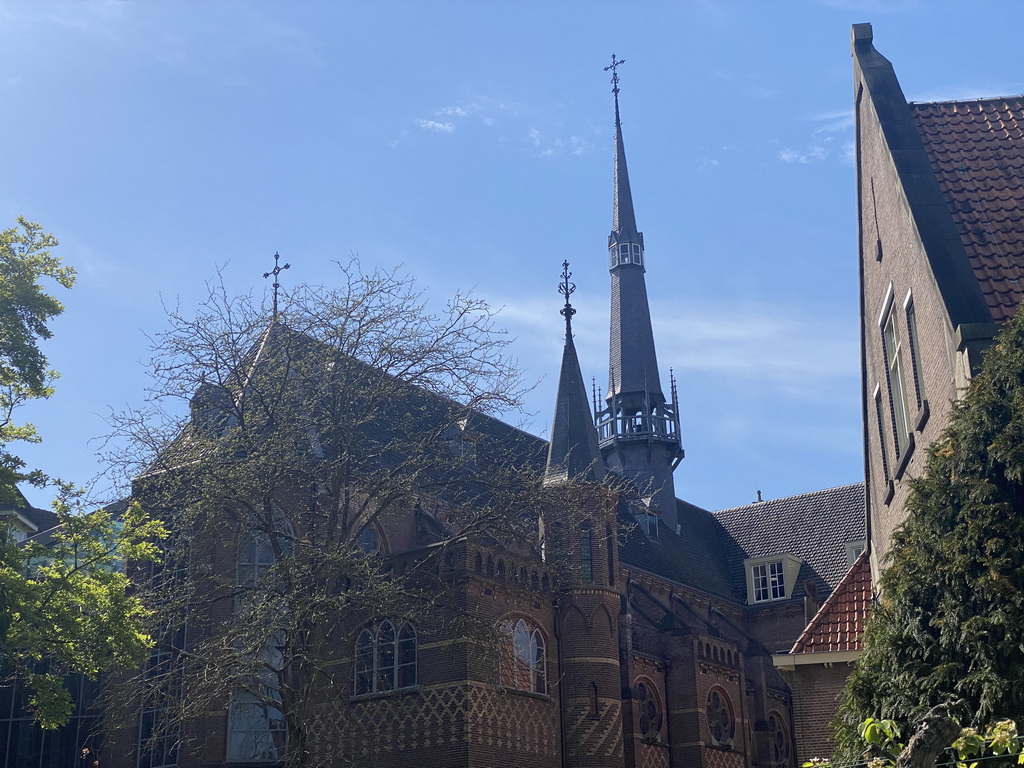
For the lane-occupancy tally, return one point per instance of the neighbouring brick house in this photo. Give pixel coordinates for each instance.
(940, 187)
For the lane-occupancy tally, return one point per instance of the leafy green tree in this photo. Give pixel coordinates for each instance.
(950, 623)
(65, 604)
(25, 310)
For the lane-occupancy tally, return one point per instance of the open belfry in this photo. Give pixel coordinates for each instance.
(633, 628)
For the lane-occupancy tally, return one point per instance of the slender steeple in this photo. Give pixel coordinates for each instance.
(573, 453)
(639, 428)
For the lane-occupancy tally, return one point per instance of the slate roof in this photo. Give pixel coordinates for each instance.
(573, 450)
(839, 623)
(696, 558)
(977, 151)
(813, 526)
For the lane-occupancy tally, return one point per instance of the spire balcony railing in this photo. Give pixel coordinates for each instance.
(637, 426)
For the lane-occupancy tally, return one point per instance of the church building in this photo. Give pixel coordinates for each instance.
(661, 634)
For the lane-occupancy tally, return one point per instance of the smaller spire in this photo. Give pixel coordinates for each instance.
(573, 453)
(277, 270)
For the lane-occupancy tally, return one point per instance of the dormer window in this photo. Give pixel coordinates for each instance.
(771, 578)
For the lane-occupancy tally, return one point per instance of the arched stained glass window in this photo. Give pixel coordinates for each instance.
(778, 739)
(720, 719)
(385, 658)
(649, 711)
(524, 661)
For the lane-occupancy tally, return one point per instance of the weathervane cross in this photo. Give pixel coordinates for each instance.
(614, 67)
(566, 289)
(277, 270)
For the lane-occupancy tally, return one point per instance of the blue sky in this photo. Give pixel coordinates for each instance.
(471, 142)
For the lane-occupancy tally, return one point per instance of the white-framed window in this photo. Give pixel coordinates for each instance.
(892, 351)
(854, 550)
(385, 658)
(523, 657)
(769, 581)
(771, 578)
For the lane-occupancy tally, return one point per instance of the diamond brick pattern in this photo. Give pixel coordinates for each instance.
(977, 151)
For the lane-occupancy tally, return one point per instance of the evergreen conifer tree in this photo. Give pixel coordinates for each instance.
(950, 621)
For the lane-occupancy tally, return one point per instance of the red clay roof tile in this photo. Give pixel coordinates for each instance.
(977, 151)
(839, 623)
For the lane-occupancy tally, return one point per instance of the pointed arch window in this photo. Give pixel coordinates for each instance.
(778, 739)
(385, 658)
(523, 657)
(648, 711)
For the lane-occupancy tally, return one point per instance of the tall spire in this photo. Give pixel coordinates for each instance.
(573, 453)
(623, 218)
(639, 427)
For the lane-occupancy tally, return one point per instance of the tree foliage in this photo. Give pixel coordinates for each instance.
(356, 408)
(950, 621)
(66, 606)
(25, 310)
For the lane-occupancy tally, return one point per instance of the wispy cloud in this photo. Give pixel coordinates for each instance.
(513, 121)
(435, 127)
(825, 140)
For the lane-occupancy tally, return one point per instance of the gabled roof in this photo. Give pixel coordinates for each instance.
(977, 150)
(839, 623)
(928, 204)
(813, 526)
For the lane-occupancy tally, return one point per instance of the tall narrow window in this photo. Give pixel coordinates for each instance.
(915, 353)
(881, 434)
(257, 731)
(893, 349)
(523, 662)
(586, 554)
(609, 543)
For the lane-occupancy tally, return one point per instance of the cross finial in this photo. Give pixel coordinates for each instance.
(614, 67)
(277, 270)
(566, 289)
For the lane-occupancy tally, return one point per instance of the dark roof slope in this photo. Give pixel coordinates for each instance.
(977, 150)
(813, 526)
(695, 558)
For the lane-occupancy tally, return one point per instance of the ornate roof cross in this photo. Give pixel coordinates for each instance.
(614, 67)
(277, 270)
(566, 289)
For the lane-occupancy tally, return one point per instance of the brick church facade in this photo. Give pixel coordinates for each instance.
(673, 639)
